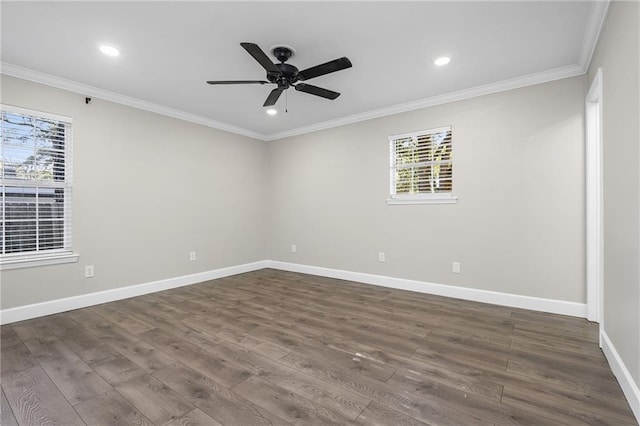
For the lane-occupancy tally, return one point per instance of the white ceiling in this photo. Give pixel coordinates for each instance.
(169, 50)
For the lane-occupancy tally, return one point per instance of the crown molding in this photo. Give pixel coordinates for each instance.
(95, 92)
(487, 89)
(595, 23)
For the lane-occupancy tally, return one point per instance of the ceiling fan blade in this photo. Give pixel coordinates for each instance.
(326, 68)
(318, 91)
(273, 97)
(262, 58)
(238, 82)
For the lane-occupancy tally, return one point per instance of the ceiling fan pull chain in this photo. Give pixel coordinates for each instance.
(286, 102)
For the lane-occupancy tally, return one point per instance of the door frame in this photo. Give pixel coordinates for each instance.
(593, 201)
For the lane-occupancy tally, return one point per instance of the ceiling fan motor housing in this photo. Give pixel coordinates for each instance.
(286, 77)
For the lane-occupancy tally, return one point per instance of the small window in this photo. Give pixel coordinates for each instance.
(422, 167)
(35, 184)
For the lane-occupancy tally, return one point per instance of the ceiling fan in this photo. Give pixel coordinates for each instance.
(286, 75)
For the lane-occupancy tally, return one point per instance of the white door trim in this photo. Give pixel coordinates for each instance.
(593, 187)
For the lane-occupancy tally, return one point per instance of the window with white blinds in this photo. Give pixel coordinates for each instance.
(422, 165)
(35, 179)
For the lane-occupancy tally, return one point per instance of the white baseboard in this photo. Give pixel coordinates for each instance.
(35, 310)
(619, 369)
(505, 299)
(486, 296)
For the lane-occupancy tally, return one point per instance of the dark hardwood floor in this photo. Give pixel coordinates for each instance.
(273, 347)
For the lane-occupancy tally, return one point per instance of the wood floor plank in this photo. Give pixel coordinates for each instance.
(367, 367)
(345, 402)
(156, 401)
(138, 351)
(454, 333)
(218, 369)
(117, 369)
(35, 399)
(552, 319)
(76, 380)
(31, 329)
(7, 335)
(436, 350)
(568, 412)
(583, 396)
(379, 415)
(195, 417)
(467, 342)
(286, 404)
(321, 311)
(553, 360)
(101, 352)
(111, 408)
(71, 333)
(240, 320)
(87, 346)
(467, 381)
(329, 322)
(489, 410)
(127, 322)
(552, 342)
(595, 358)
(267, 349)
(6, 413)
(15, 356)
(348, 404)
(215, 332)
(605, 385)
(214, 399)
(401, 401)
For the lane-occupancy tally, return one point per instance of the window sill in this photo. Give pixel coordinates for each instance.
(38, 260)
(425, 200)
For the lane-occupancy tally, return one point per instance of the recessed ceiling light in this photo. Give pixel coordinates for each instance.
(442, 60)
(272, 111)
(109, 50)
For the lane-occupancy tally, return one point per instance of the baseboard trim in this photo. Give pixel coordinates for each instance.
(505, 299)
(619, 369)
(36, 310)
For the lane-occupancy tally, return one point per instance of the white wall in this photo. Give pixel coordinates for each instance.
(148, 189)
(618, 54)
(518, 172)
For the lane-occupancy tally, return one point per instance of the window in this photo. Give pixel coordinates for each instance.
(422, 167)
(35, 182)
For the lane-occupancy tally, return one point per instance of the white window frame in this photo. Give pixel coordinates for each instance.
(417, 198)
(47, 256)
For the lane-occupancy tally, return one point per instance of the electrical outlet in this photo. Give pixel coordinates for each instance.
(192, 256)
(455, 267)
(89, 272)
(293, 248)
(382, 257)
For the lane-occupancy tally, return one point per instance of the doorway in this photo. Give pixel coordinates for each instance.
(593, 185)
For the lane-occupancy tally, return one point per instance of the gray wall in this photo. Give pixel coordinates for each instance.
(618, 54)
(148, 189)
(518, 172)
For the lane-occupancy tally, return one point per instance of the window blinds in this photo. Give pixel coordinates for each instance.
(35, 180)
(421, 163)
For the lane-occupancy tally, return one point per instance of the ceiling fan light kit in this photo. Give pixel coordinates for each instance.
(286, 75)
